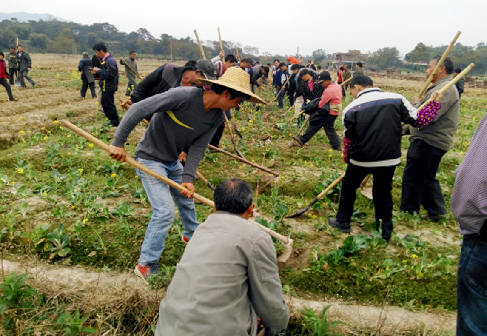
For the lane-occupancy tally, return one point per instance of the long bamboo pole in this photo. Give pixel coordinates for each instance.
(439, 64)
(286, 240)
(202, 51)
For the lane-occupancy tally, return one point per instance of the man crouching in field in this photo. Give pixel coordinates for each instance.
(182, 118)
(227, 276)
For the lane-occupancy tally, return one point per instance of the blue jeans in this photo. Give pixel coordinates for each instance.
(280, 98)
(472, 288)
(162, 198)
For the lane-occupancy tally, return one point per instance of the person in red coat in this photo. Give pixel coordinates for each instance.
(4, 76)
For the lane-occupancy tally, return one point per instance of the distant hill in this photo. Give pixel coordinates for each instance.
(25, 17)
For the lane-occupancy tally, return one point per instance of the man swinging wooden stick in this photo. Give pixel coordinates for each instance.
(185, 117)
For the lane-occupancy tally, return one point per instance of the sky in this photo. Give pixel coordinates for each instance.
(281, 27)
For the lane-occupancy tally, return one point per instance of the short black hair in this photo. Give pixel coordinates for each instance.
(132, 52)
(20, 45)
(447, 63)
(295, 66)
(282, 64)
(219, 89)
(1, 53)
(325, 75)
(318, 67)
(362, 80)
(233, 195)
(360, 64)
(190, 64)
(268, 64)
(231, 58)
(247, 60)
(277, 60)
(457, 70)
(100, 46)
(304, 72)
(12, 47)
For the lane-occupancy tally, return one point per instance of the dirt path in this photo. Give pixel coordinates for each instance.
(101, 287)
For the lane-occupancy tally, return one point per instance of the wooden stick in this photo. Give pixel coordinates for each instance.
(287, 241)
(302, 127)
(439, 64)
(220, 37)
(203, 56)
(244, 160)
(145, 121)
(346, 82)
(235, 124)
(451, 83)
(135, 72)
(231, 136)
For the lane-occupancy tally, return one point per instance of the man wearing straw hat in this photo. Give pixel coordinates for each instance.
(182, 118)
(428, 145)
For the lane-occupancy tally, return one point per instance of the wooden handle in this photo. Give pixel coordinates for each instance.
(161, 178)
(244, 160)
(364, 182)
(346, 82)
(135, 72)
(450, 83)
(200, 45)
(302, 127)
(439, 64)
(134, 163)
(331, 186)
(221, 44)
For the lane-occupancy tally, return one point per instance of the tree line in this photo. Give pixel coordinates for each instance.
(73, 38)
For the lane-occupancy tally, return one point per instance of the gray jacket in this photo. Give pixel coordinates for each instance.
(441, 131)
(133, 64)
(25, 63)
(227, 275)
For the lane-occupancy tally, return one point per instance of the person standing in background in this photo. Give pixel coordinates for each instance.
(25, 65)
(96, 63)
(461, 83)
(87, 79)
(130, 71)
(108, 83)
(4, 76)
(12, 65)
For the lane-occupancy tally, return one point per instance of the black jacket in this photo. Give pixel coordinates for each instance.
(373, 124)
(165, 77)
(317, 88)
(108, 74)
(85, 65)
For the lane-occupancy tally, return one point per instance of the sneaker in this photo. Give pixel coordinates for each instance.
(145, 272)
(340, 226)
(34, 84)
(184, 240)
(14, 99)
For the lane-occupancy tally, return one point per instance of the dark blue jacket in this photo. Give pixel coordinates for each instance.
(84, 66)
(108, 74)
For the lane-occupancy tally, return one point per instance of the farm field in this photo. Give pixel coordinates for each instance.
(74, 220)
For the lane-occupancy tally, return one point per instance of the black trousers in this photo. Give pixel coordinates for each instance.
(291, 92)
(108, 103)
(4, 82)
(381, 191)
(84, 88)
(419, 183)
(316, 122)
(12, 72)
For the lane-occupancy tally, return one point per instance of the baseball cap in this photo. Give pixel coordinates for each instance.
(207, 68)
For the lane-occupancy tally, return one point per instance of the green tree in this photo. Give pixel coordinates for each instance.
(385, 58)
(319, 55)
(39, 41)
(419, 54)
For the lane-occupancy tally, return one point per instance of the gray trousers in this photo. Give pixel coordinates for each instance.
(25, 74)
(131, 86)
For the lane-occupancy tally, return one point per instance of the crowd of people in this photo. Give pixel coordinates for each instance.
(233, 287)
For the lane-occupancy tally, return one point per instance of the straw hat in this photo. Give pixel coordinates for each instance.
(236, 79)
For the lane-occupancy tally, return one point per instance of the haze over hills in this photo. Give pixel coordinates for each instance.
(25, 17)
